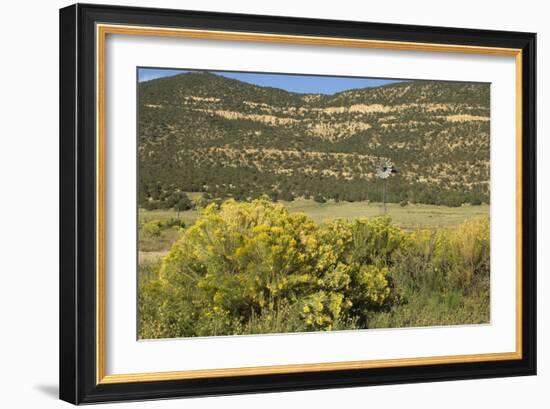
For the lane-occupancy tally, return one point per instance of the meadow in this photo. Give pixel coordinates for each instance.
(412, 216)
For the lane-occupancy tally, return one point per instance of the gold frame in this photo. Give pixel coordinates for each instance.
(102, 30)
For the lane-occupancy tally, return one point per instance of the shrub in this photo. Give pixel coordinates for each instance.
(287, 195)
(446, 258)
(182, 202)
(470, 249)
(153, 228)
(319, 198)
(174, 222)
(442, 277)
(241, 263)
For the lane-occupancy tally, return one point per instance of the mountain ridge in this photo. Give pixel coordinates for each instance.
(228, 138)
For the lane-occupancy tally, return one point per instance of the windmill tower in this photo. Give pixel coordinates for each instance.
(385, 169)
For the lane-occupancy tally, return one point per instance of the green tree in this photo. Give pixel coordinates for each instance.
(183, 203)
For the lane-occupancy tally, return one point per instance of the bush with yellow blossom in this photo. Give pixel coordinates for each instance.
(254, 267)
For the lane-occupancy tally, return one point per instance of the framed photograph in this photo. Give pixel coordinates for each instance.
(257, 204)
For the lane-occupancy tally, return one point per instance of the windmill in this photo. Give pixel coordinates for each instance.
(385, 169)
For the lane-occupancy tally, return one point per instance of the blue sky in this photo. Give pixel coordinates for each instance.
(293, 83)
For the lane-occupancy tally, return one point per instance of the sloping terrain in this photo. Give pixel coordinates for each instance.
(206, 133)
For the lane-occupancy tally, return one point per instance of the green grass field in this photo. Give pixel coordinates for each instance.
(408, 217)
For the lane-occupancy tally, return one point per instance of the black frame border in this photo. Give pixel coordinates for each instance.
(77, 255)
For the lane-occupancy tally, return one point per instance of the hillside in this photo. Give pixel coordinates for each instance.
(226, 138)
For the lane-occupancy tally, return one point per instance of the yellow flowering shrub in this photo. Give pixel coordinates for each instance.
(463, 252)
(244, 261)
(446, 259)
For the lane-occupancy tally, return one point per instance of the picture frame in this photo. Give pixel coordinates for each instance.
(84, 216)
